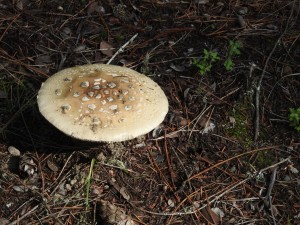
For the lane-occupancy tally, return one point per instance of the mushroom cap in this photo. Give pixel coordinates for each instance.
(102, 102)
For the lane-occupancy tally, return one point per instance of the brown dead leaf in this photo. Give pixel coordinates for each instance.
(52, 166)
(21, 4)
(106, 48)
(210, 216)
(95, 7)
(124, 193)
(275, 211)
(178, 68)
(181, 121)
(114, 214)
(204, 122)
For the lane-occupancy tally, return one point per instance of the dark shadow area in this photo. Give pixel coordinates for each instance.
(32, 132)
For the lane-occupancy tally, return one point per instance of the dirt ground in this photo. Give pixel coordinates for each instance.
(226, 152)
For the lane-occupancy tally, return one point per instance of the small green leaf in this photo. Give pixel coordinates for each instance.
(205, 64)
(228, 64)
(294, 118)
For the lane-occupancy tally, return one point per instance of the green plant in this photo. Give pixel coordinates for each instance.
(294, 118)
(233, 50)
(289, 222)
(205, 64)
(88, 184)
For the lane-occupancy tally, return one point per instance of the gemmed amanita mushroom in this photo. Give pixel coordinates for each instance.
(102, 102)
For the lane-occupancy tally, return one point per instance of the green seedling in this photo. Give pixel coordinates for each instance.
(233, 50)
(205, 64)
(289, 220)
(294, 118)
(88, 184)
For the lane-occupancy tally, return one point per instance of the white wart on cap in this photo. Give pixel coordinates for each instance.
(102, 102)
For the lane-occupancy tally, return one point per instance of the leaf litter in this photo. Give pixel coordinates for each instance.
(194, 156)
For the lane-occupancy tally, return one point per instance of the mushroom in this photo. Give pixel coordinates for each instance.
(102, 102)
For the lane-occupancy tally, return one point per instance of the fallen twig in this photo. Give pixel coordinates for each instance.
(25, 215)
(268, 197)
(258, 87)
(122, 48)
(257, 93)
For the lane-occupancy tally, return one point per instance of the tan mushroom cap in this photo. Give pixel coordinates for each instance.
(102, 102)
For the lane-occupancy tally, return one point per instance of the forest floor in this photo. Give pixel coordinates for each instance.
(228, 151)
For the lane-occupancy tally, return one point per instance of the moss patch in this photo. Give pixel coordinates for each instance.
(240, 127)
(264, 159)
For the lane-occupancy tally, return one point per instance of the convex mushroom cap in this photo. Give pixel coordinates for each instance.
(102, 102)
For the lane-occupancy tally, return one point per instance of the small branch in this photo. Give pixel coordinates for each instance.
(258, 87)
(25, 215)
(272, 182)
(268, 198)
(122, 48)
